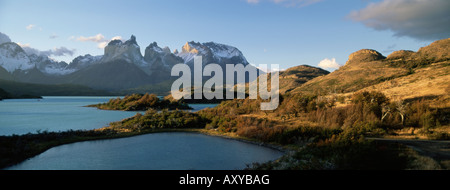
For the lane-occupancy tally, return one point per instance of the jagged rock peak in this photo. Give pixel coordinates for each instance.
(128, 51)
(154, 48)
(115, 42)
(189, 47)
(132, 40)
(153, 44)
(365, 55)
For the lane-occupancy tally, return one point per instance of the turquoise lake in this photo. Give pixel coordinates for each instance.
(157, 151)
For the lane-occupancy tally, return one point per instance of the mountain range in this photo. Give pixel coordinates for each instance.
(121, 67)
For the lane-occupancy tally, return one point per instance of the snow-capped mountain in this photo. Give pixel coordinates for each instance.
(121, 67)
(82, 62)
(160, 58)
(217, 53)
(12, 58)
(49, 66)
(212, 53)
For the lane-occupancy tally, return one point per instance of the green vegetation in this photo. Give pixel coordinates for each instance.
(30, 89)
(6, 95)
(139, 102)
(165, 119)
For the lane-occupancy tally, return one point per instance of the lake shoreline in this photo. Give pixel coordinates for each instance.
(231, 136)
(46, 145)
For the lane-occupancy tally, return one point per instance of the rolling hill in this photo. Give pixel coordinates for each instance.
(401, 75)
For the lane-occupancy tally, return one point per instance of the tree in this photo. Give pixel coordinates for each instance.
(401, 109)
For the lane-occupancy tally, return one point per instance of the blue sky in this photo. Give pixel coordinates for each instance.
(284, 32)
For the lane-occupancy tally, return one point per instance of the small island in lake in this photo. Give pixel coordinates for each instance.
(139, 102)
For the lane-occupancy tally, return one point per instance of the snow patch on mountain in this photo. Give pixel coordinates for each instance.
(49, 66)
(216, 51)
(12, 58)
(82, 62)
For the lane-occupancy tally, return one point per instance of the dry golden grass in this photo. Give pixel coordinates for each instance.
(350, 78)
(291, 122)
(407, 133)
(430, 81)
(420, 162)
(402, 75)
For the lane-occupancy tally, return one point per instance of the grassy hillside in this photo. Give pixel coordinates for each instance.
(296, 76)
(364, 68)
(401, 75)
(291, 78)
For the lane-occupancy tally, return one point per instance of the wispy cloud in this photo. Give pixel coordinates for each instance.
(329, 64)
(96, 38)
(61, 51)
(99, 39)
(253, 1)
(419, 19)
(30, 26)
(287, 3)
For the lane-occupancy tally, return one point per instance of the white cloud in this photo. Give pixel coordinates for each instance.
(116, 38)
(99, 39)
(419, 19)
(96, 38)
(329, 64)
(102, 45)
(30, 26)
(61, 51)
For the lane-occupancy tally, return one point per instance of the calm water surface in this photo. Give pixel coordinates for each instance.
(157, 151)
(55, 113)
